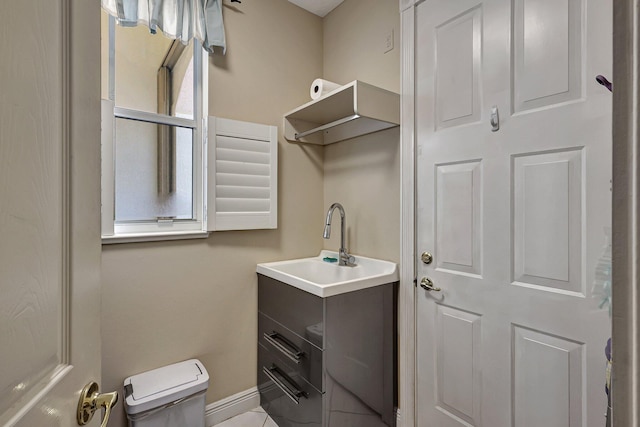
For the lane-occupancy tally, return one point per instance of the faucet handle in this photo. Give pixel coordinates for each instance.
(346, 259)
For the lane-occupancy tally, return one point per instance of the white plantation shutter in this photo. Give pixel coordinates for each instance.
(242, 175)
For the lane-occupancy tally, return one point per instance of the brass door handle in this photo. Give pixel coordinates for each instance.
(428, 285)
(91, 400)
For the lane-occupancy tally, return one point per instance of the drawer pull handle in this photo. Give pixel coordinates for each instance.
(293, 393)
(284, 345)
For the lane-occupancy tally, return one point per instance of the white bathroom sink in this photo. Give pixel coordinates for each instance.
(326, 279)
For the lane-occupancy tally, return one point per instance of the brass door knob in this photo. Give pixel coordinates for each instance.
(428, 285)
(91, 400)
(426, 257)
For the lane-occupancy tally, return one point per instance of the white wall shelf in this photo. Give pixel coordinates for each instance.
(353, 110)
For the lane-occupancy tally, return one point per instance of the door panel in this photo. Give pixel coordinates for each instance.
(49, 210)
(457, 363)
(541, 360)
(458, 222)
(547, 242)
(547, 52)
(457, 76)
(31, 208)
(515, 218)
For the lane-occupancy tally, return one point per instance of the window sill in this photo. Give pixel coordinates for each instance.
(153, 237)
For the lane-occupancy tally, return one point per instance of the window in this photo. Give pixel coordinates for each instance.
(153, 135)
(168, 170)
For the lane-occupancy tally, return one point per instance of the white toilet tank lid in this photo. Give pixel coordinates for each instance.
(158, 387)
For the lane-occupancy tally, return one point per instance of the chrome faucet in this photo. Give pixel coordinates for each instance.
(345, 258)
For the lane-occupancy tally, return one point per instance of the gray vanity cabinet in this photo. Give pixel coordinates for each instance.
(327, 362)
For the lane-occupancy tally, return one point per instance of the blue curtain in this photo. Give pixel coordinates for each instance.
(177, 19)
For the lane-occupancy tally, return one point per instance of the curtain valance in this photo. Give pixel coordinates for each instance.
(177, 19)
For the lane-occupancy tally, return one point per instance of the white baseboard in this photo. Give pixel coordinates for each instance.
(231, 406)
(240, 403)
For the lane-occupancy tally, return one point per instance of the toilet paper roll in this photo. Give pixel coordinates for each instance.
(321, 87)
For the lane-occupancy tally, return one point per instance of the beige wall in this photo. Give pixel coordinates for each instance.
(364, 173)
(166, 302)
(170, 301)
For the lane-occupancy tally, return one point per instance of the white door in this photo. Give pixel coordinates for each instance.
(49, 209)
(514, 218)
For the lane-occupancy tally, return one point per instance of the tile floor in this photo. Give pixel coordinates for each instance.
(254, 418)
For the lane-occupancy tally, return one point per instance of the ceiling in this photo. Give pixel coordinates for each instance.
(317, 7)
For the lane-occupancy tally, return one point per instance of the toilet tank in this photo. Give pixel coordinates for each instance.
(173, 395)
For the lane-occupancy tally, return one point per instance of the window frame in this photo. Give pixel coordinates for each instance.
(135, 231)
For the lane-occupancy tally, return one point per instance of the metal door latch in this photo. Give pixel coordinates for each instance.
(427, 285)
(91, 400)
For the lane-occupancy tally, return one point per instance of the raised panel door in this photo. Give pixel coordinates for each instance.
(49, 210)
(515, 217)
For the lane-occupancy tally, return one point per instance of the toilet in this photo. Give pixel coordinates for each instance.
(170, 396)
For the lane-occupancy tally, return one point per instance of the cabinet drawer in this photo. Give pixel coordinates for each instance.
(299, 311)
(285, 395)
(298, 354)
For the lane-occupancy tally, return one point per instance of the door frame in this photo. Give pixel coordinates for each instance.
(407, 290)
(626, 215)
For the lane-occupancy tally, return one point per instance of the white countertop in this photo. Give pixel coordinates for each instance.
(325, 279)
